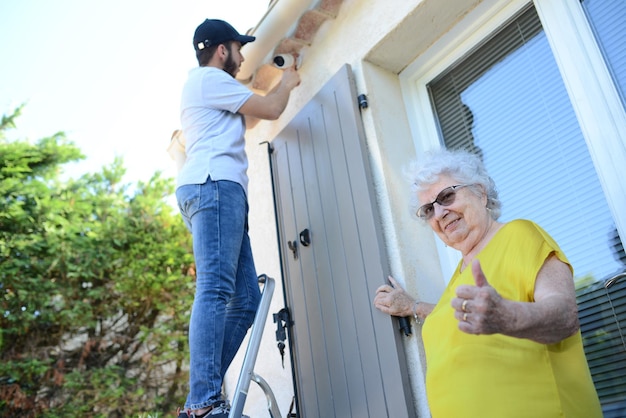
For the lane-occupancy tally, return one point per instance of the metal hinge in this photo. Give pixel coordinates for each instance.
(362, 99)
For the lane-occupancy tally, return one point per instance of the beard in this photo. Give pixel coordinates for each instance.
(230, 66)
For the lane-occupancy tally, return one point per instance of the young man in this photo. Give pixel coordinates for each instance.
(212, 197)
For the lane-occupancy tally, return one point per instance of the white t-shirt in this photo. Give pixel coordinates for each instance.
(213, 129)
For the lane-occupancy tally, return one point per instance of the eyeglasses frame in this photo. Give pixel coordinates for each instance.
(432, 204)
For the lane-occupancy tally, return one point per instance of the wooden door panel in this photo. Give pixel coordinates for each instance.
(348, 357)
(322, 209)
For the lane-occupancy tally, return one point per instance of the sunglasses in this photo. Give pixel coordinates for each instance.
(445, 197)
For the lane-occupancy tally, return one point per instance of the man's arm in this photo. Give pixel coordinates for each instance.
(272, 105)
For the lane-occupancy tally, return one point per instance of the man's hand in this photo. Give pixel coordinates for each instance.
(291, 78)
(272, 105)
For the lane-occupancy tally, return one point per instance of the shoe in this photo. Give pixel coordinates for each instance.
(221, 410)
(182, 414)
(186, 413)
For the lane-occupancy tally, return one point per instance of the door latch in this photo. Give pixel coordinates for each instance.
(305, 240)
(282, 319)
(293, 246)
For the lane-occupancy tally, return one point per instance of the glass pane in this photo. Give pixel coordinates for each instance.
(602, 313)
(507, 101)
(608, 20)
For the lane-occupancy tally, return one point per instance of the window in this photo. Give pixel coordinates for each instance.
(506, 100)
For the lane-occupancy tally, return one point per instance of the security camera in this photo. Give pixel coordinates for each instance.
(283, 61)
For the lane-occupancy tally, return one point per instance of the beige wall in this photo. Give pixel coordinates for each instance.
(387, 42)
(378, 39)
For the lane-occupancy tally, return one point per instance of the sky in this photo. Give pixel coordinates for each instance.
(108, 73)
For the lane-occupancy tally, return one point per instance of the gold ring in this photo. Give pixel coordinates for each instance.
(465, 317)
(463, 305)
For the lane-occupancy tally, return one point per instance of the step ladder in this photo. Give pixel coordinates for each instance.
(247, 373)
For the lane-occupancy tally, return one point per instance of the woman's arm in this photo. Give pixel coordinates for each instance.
(552, 317)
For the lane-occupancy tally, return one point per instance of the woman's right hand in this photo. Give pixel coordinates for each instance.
(393, 300)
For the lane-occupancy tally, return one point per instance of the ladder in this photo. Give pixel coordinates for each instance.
(247, 373)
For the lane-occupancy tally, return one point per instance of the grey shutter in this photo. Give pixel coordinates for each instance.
(347, 357)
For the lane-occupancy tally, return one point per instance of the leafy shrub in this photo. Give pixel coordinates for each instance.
(96, 286)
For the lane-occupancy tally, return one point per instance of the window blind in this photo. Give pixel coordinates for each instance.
(507, 102)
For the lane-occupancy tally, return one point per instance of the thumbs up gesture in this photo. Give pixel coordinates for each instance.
(480, 309)
(550, 317)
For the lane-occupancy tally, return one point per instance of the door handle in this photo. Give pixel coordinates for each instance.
(305, 237)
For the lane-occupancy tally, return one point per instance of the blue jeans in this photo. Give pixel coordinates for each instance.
(227, 290)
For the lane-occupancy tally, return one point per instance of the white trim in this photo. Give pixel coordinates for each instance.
(597, 104)
(477, 25)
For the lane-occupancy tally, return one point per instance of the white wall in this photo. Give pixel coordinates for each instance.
(378, 39)
(387, 42)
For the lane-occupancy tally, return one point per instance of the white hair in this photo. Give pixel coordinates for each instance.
(463, 166)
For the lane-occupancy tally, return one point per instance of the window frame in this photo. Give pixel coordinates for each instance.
(591, 89)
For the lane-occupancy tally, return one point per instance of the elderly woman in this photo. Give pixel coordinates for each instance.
(504, 339)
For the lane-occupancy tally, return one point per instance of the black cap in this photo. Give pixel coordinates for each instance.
(215, 31)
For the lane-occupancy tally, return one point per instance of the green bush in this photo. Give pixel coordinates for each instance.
(96, 282)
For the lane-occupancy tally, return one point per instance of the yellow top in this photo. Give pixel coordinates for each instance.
(496, 376)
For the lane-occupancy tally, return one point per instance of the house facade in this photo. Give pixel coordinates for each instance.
(537, 88)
